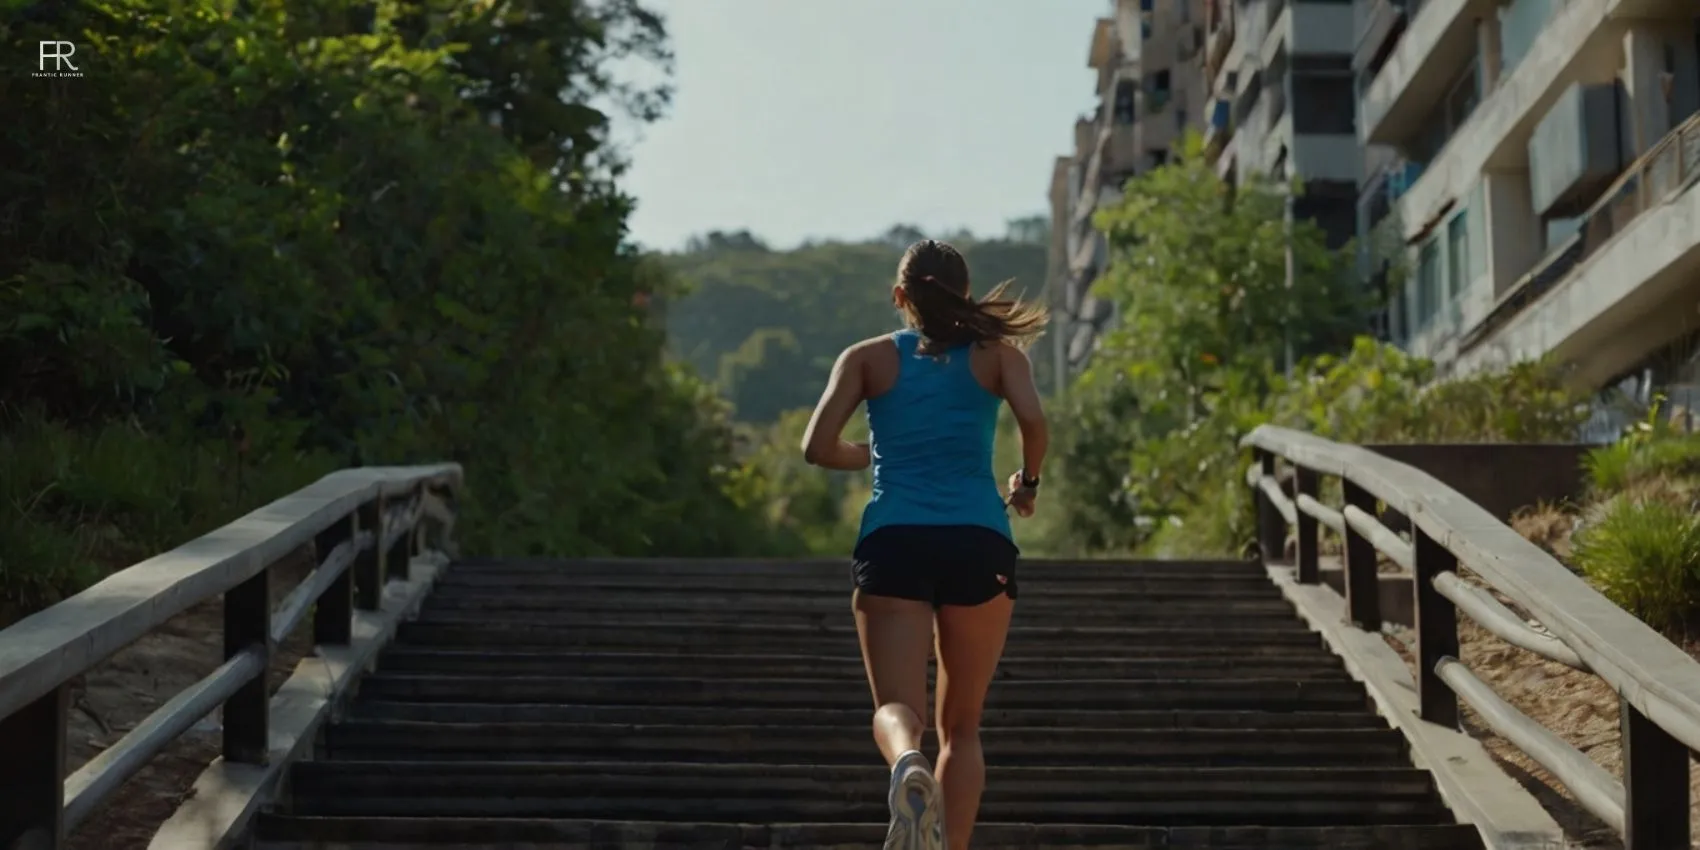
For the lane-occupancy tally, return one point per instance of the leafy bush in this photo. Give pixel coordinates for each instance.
(1201, 279)
(1644, 554)
(1189, 482)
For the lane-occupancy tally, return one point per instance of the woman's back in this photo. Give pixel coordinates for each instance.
(932, 437)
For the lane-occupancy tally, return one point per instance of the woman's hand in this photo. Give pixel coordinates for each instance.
(1021, 498)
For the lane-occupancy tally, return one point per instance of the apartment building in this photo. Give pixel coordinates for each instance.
(1147, 93)
(1530, 162)
(1282, 101)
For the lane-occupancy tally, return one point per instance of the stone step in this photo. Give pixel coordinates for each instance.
(837, 584)
(861, 783)
(871, 806)
(692, 618)
(406, 659)
(839, 568)
(1024, 640)
(858, 718)
(1119, 694)
(390, 740)
(278, 832)
(569, 602)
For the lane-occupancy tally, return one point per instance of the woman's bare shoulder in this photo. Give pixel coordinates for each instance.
(872, 346)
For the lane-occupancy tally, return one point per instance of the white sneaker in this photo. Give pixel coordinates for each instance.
(917, 807)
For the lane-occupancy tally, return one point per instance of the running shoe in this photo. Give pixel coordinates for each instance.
(917, 807)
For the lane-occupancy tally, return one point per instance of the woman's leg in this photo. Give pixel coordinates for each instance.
(897, 636)
(970, 642)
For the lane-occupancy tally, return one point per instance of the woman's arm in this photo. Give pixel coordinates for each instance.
(1015, 378)
(823, 442)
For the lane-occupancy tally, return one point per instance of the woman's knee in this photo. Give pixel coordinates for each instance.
(903, 713)
(964, 727)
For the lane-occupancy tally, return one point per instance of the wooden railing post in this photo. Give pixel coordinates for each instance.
(397, 559)
(333, 616)
(1305, 484)
(247, 626)
(446, 531)
(1271, 527)
(32, 774)
(1437, 629)
(1363, 583)
(368, 568)
(1655, 784)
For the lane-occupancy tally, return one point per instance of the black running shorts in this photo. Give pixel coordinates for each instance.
(941, 564)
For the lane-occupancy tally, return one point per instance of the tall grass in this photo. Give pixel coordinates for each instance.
(76, 504)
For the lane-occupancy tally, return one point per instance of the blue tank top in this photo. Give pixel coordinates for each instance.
(932, 437)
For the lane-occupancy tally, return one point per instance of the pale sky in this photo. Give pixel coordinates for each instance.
(811, 118)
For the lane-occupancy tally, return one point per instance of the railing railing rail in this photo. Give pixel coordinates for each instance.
(363, 527)
(1657, 682)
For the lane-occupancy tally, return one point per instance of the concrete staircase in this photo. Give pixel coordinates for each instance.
(674, 705)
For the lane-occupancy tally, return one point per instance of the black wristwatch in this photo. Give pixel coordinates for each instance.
(1029, 482)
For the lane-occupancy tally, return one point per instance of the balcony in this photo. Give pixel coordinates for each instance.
(1325, 156)
(1575, 150)
(1438, 42)
(1580, 40)
(1374, 23)
(1220, 36)
(1618, 288)
(1310, 29)
(1124, 148)
(1218, 125)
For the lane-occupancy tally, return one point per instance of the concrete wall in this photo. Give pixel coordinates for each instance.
(1502, 478)
(1321, 28)
(1326, 157)
(1515, 243)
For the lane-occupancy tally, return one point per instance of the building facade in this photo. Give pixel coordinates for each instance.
(1148, 93)
(1528, 174)
(1282, 102)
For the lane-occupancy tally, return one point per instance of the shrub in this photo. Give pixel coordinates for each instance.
(1644, 554)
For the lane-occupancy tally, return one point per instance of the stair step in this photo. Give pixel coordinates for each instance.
(871, 807)
(776, 784)
(488, 633)
(700, 618)
(1254, 585)
(308, 833)
(772, 744)
(1034, 570)
(458, 662)
(1249, 694)
(687, 705)
(571, 603)
(858, 718)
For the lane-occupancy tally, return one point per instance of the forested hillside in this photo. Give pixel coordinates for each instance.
(247, 247)
(765, 325)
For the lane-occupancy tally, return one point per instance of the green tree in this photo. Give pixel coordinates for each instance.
(768, 324)
(1199, 274)
(327, 231)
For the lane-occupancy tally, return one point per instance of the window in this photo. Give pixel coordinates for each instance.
(1457, 254)
(1185, 10)
(1159, 157)
(1180, 120)
(1324, 104)
(1428, 285)
(1127, 95)
(1159, 84)
(1463, 97)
